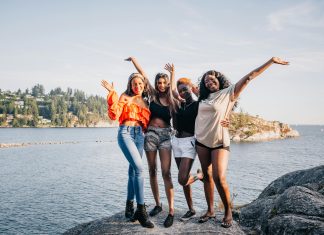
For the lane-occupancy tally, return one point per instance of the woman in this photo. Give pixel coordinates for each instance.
(158, 139)
(133, 114)
(216, 100)
(183, 142)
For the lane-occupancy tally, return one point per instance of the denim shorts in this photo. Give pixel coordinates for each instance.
(184, 147)
(157, 138)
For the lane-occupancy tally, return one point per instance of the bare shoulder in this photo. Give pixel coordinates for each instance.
(124, 97)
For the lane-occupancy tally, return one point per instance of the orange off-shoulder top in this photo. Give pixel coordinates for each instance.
(126, 110)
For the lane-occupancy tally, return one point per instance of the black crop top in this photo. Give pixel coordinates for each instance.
(160, 111)
(186, 117)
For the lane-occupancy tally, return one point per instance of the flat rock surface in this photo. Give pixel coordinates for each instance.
(117, 224)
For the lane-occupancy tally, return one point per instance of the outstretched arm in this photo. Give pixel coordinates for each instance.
(137, 66)
(115, 106)
(242, 83)
(170, 67)
(141, 71)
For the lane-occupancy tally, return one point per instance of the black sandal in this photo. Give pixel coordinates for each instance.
(205, 218)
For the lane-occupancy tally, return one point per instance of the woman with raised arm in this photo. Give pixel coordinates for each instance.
(183, 142)
(158, 138)
(132, 111)
(216, 100)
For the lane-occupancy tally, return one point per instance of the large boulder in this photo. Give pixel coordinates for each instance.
(292, 204)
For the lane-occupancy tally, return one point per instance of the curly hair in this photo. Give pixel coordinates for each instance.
(204, 91)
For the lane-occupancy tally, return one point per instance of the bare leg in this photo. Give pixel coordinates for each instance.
(151, 160)
(165, 158)
(209, 186)
(219, 163)
(184, 166)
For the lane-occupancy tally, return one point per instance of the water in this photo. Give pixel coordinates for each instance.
(49, 188)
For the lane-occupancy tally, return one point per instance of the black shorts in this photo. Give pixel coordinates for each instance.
(211, 149)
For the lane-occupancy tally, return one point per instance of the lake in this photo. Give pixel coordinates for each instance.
(67, 176)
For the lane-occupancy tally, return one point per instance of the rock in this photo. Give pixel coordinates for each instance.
(292, 134)
(245, 127)
(269, 135)
(117, 224)
(292, 204)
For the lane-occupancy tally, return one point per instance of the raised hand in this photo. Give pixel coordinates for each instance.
(109, 87)
(195, 89)
(277, 60)
(169, 67)
(129, 59)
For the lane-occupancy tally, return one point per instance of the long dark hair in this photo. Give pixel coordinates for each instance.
(148, 90)
(172, 102)
(204, 91)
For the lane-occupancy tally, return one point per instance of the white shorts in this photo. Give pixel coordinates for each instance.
(184, 147)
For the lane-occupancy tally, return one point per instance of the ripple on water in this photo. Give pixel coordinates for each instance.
(50, 188)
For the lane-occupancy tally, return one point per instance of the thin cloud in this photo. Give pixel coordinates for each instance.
(302, 15)
(100, 51)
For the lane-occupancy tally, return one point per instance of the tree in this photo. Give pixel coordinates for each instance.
(53, 111)
(38, 90)
(34, 112)
(57, 91)
(79, 96)
(11, 107)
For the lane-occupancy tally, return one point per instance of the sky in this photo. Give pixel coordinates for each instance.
(78, 43)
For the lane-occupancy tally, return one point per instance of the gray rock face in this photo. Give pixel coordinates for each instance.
(292, 204)
(117, 224)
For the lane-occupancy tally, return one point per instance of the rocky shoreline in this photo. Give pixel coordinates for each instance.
(292, 204)
(247, 128)
(13, 145)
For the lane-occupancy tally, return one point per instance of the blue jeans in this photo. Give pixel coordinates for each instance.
(131, 142)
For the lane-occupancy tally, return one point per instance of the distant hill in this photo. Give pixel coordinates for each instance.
(58, 108)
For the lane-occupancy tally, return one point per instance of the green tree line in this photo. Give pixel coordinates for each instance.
(62, 108)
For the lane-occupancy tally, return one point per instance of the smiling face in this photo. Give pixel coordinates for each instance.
(137, 86)
(162, 85)
(211, 83)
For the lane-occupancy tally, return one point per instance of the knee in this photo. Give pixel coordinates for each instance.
(182, 180)
(153, 172)
(220, 180)
(208, 176)
(138, 171)
(166, 175)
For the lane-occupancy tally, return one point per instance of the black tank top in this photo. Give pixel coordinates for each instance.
(160, 111)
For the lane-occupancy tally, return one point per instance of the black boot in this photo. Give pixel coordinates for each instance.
(142, 217)
(129, 210)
